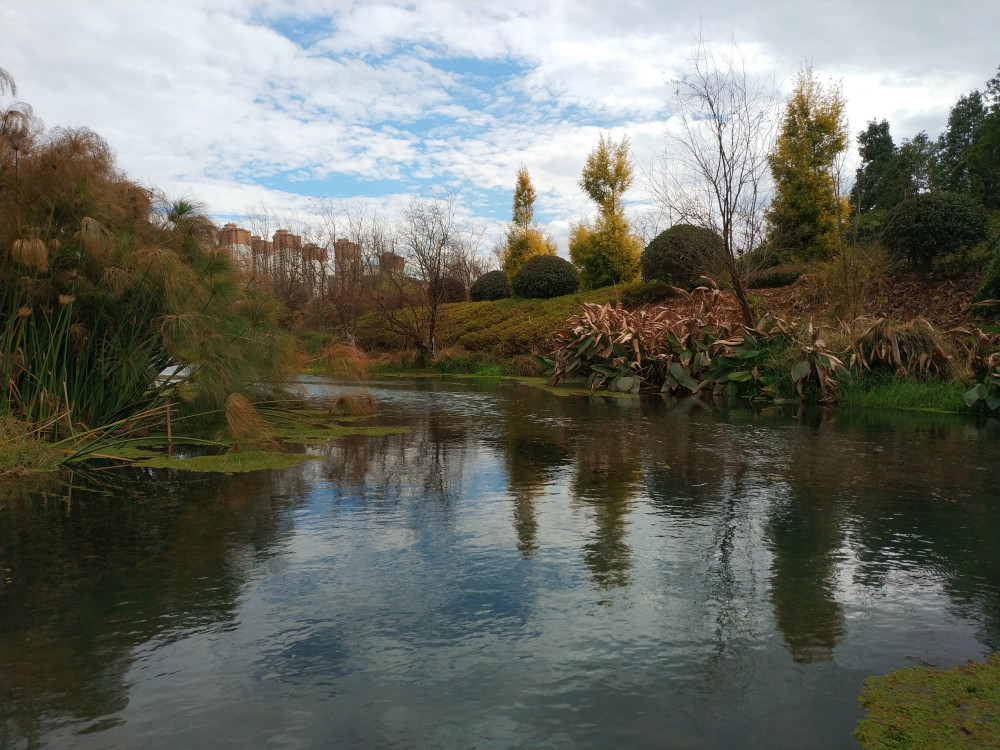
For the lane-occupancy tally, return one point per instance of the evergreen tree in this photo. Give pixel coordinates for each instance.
(608, 252)
(806, 212)
(983, 157)
(877, 182)
(524, 239)
(951, 174)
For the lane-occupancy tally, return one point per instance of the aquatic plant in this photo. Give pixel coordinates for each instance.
(932, 709)
(117, 302)
(983, 348)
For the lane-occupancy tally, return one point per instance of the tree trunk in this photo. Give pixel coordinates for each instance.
(739, 289)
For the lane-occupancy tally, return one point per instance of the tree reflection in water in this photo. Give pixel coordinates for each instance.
(173, 559)
(733, 548)
(606, 479)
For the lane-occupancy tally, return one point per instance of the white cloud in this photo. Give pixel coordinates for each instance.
(233, 101)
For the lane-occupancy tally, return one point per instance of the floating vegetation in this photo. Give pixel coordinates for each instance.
(230, 462)
(932, 709)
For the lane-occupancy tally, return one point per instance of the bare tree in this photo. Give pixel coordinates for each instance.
(715, 173)
(357, 235)
(429, 237)
(295, 276)
(408, 268)
(464, 261)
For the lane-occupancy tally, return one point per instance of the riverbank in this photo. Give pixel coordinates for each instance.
(920, 343)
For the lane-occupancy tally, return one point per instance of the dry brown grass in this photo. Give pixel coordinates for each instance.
(353, 404)
(345, 361)
(244, 422)
(903, 348)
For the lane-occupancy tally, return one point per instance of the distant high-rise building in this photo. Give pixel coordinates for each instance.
(285, 240)
(345, 251)
(232, 235)
(261, 247)
(315, 253)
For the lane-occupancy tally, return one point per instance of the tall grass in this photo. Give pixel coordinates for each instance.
(882, 391)
(116, 302)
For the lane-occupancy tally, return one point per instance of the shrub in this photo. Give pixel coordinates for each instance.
(544, 277)
(523, 244)
(924, 227)
(646, 293)
(489, 287)
(773, 278)
(452, 290)
(990, 287)
(681, 254)
(606, 254)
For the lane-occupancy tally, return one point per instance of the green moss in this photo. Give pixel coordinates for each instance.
(299, 426)
(569, 388)
(308, 433)
(231, 462)
(307, 426)
(932, 709)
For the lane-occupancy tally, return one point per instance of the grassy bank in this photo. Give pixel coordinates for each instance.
(490, 339)
(885, 392)
(502, 330)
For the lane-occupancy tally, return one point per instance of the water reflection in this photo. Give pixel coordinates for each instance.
(607, 477)
(95, 566)
(534, 444)
(517, 570)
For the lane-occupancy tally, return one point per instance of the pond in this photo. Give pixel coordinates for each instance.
(518, 570)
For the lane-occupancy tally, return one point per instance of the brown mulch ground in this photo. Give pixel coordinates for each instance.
(943, 302)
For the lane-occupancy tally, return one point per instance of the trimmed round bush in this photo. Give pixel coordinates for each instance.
(681, 254)
(490, 286)
(545, 276)
(925, 227)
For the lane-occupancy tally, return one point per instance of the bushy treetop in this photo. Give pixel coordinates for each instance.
(545, 276)
(929, 225)
(490, 286)
(680, 254)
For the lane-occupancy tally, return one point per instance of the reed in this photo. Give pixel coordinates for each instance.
(116, 302)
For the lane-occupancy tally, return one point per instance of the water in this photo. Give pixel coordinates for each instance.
(520, 570)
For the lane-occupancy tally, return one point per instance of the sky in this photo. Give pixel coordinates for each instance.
(297, 103)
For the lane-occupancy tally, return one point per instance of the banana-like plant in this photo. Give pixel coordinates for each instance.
(983, 346)
(654, 348)
(816, 368)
